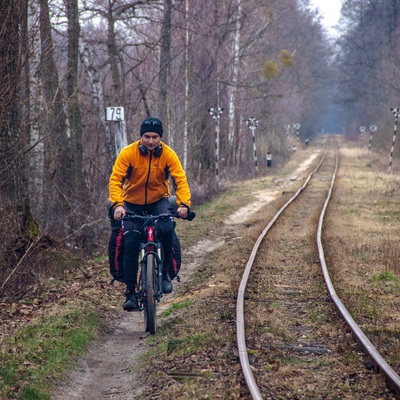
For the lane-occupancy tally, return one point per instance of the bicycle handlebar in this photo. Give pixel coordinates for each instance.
(129, 216)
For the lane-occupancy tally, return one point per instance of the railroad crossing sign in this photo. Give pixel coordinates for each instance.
(396, 112)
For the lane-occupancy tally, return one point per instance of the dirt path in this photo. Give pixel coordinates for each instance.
(108, 371)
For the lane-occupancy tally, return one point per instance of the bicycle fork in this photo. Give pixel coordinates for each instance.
(154, 248)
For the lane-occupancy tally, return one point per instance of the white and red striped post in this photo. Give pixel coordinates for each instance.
(396, 112)
(252, 123)
(297, 127)
(287, 127)
(216, 112)
(372, 130)
(362, 131)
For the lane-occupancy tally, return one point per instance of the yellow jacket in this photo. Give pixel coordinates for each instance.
(143, 179)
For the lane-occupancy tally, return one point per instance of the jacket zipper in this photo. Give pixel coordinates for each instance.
(148, 176)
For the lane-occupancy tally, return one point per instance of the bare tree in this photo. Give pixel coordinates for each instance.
(253, 57)
(165, 62)
(36, 154)
(187, 88)
(14, 198)
(235, 74)
(370, 36)
(58, 157)
(75, 178)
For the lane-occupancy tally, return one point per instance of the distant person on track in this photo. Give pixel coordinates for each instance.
(140, 183)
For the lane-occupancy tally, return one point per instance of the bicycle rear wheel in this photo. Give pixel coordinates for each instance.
(150, 305)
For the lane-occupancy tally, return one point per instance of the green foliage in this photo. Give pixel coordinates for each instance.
(286, 58)
(190, 344)
(32, 227)
(176, 306)
(270, 69)
(41, 352)
(385, 276)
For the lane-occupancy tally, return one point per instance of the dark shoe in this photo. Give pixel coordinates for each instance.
(131, 302)
(166, 283)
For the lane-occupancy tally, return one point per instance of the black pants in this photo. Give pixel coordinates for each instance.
(133, 235)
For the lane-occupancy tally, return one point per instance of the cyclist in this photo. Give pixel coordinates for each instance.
(139, 183)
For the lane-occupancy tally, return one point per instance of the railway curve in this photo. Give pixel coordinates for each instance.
(270, 293)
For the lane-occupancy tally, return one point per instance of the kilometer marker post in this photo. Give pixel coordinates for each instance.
(117, 115)
(396, 112)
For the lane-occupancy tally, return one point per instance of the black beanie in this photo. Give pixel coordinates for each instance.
(151, 125)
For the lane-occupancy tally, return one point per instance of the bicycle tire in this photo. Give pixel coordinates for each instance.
(150, 305)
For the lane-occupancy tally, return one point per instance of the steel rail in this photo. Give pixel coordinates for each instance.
(240, 330)
(392, 377)
(363, 341)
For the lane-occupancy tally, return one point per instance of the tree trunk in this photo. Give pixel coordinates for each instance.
(36, 153)
(235, 75)
(76, 194)
(98, 106)
(165, 60)
(14, 198)
(118, 129)
(58, 155)
(13, 180)
(187, 86)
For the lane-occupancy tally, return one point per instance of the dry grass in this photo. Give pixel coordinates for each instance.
(363, 247)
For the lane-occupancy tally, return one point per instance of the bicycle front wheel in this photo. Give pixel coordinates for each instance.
(150, 305)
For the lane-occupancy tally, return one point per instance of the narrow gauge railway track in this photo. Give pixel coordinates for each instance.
(292, 343)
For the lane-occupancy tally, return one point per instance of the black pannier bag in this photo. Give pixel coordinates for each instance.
(175, 261)
(116, 251)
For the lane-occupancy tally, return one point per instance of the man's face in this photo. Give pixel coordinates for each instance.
(151, 140)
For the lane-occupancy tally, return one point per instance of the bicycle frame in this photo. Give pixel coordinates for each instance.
(149, 287)
(150, 246)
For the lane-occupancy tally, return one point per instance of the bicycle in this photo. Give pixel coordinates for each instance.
(149, 286)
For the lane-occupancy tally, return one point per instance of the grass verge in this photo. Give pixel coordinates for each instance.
(41, 352)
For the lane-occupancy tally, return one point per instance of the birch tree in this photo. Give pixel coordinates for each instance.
(187, 88)
(97, 99)
(235, 75)
(165, 63)
(36, 154)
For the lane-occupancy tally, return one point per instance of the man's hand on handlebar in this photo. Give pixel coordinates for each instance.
(119, 212)
(182, 211)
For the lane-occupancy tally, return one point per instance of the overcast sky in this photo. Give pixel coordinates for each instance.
(330, 10)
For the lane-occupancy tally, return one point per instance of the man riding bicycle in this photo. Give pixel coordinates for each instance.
(139, 183)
